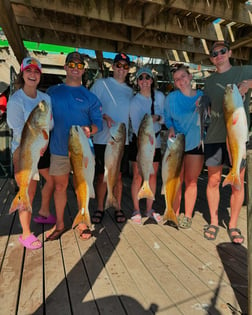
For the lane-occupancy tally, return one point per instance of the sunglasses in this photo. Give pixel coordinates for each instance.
(219, 52)
(178, 66)
(147, 77)
(72, 65)
(120, 65)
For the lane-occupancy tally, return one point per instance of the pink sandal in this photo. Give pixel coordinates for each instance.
(30, 241)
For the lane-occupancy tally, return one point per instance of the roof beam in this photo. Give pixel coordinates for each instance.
(236, 11)
(11, 30)
(148, 45)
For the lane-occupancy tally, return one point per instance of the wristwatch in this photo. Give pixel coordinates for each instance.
(90, 129)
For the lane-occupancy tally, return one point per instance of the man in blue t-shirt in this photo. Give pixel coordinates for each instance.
(72, 104)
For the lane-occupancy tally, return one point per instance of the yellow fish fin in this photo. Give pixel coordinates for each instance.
(145, 191)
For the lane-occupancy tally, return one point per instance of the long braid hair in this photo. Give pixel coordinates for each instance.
(152, 97)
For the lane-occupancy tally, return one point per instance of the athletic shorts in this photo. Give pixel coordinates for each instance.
(99, 159)
(216, 154)
(133, 151)
(59, 165)
(196, 151)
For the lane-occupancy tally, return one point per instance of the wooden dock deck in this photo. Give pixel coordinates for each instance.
(124, 268)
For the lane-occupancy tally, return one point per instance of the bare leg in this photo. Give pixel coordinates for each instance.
(153, 185)
(135, 186)
(193, 166)
(236, 201)
(213, 194)
(101, 189)
(25, 216)
(60, 198)
(118, 190)
(46, 193)
(177, 201)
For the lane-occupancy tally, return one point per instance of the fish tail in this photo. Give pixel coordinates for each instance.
(145, 191)
(20, 203)
(111, 202)
(232, 179)
(82, 216)
(169, 215)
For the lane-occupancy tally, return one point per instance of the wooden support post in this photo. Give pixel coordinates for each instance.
(249, 224)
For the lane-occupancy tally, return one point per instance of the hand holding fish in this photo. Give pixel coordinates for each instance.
(86, 130)
(171, 133)
(42, 151)
(109, 120)
(244, 86)
(156, 118)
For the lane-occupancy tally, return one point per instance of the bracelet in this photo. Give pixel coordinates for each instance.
(90, 128)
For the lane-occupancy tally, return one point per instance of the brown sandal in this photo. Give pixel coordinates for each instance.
(55, 234)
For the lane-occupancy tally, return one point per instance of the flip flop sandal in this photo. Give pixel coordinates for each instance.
(31, 242)
(98, 216)
(55, 234)
(185, 222)
(51, 219)
(212, 234)
(119, 216)
(235, 236)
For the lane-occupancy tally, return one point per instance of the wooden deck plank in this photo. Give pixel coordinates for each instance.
(31, 291)
(135, 260)
(124, 268)
(102, 287)
(6, 227)
(77, 279)
(129, 255)
(192, 241)
(10, 275)
(123, 282)
(55, 284)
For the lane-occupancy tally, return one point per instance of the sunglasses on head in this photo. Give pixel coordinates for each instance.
(78, 65)
(219, 52)
(147, 77)
(120, 65)
(178, 66)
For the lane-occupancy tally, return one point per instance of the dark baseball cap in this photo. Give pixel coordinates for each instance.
(74, 56)
(120, 57)
(221, 43)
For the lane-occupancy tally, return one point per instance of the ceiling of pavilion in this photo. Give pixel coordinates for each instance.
(178, 30)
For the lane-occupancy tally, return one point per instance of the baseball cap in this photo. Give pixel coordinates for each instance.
(122, 56)
(74, 56)
(144, 70)
(29, 62)
(221, 43)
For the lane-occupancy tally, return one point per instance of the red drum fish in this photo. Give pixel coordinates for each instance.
(112, 161)
(34, 137)
(203, 109)
(145, 152)
(83, 165)
(171, 168)
(237, 132)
